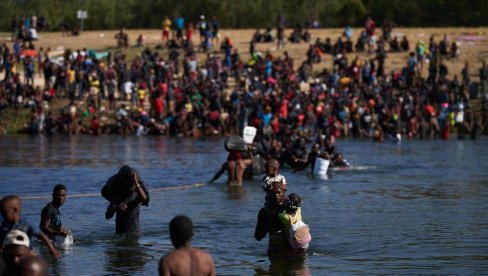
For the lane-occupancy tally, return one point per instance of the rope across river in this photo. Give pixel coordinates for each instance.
(170, 188)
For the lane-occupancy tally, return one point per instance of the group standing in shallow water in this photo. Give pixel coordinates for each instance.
(280, 217)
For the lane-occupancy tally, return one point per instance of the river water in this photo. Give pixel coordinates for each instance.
(420, 207)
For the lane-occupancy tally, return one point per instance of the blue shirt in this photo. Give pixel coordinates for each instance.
(21, 225)
(180, 23)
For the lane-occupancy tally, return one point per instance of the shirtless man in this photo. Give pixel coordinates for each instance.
(185, 260)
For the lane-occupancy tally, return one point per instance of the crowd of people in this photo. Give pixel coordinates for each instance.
(25, 28)
(181, 94)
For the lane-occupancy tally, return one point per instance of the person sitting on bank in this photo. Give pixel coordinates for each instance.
(185, 260)
(51, 224)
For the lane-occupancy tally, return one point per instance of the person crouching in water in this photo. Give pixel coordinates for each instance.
(338, 161)
(296, 230)
(126, 192)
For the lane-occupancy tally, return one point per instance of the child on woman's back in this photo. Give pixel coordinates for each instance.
(297, 231)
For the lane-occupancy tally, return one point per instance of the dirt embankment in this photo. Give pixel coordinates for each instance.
(473, 44)
(473, 48)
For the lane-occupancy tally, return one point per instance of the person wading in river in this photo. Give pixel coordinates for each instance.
(51, 218)
(270, 223)
(126, 192)
(185, 260)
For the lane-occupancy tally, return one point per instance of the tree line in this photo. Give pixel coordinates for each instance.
(133, 14)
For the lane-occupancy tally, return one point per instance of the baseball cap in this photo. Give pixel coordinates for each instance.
(16, 237)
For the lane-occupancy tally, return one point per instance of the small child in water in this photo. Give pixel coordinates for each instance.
(297, 231)
(272, 175)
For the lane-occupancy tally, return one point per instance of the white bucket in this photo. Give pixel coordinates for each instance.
(64, 242)
(321, 166)
(68, 240)
(248, 134)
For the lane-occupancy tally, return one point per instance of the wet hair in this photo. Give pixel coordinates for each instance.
(273, 163)
(180, 230)
(127, 170)
(8, 198)
(294, 201)
(126, 177)
(59, 187)
(278, 185)
(337, 155)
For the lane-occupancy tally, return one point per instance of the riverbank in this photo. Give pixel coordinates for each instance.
(472, 43)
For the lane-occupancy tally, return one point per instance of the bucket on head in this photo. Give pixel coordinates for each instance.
(249, 133)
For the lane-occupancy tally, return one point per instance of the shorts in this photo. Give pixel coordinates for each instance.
(234, 156)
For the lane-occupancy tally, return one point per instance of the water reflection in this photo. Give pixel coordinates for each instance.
(125, 255)
(236, 191)
(285, 266)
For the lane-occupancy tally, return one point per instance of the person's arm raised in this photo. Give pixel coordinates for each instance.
(139, 188)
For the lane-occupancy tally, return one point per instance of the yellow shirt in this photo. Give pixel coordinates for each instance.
(166, 25)
(71, 76)
(141, 93)
(345, 81)
(289, 220)
(189, 107)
